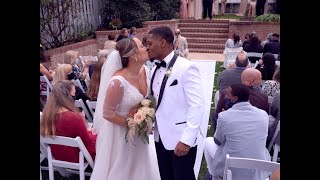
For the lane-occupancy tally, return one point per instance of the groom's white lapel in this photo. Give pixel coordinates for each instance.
(180, 111)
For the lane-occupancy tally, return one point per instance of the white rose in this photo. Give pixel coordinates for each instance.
(151, 112)
(145, 109)
(148, 111)
(146, 102)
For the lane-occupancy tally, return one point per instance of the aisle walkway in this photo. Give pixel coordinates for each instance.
(207, 69)
(206, 56)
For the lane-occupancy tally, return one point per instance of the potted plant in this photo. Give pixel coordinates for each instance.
(115, 24)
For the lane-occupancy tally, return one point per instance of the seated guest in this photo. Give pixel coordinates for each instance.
(253, 46)
(64, 72)
(71, 57)
(101, 54)
(274, 112)
(235, 42)
(251, 78)
(246, 39)
(110, 43)
(241, 132)
(93, 88)
(123, 34)
(229, 76)
(133, 32)
(267, 66)
(233, 75)
(268, 39)
(273, 46)
(61, 118)
(271, 86)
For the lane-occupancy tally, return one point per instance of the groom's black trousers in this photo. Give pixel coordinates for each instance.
(174, 167)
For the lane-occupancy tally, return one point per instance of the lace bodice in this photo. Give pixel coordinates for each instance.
(130, 95)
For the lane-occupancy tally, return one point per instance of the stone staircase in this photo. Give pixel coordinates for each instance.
(205, 36)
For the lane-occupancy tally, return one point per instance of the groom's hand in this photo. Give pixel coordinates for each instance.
(181, 149)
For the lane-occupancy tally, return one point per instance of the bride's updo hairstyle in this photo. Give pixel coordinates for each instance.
(126, 48)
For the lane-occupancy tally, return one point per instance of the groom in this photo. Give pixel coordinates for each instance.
(176, 86)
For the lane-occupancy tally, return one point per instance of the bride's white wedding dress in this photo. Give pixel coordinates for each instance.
(115, 158)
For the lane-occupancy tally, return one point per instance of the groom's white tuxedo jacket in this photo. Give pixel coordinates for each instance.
(179, 114)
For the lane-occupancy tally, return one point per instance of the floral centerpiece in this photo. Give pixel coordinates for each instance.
(141, 124)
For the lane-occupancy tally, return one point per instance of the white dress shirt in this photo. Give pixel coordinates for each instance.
(158, 78)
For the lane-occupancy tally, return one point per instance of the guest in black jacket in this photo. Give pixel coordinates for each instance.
(273, 46)
(253, 46)
(123, 34)
(267, 66)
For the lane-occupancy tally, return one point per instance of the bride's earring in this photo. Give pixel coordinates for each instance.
(136, 60)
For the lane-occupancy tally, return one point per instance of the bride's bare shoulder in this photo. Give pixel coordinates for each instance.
(118, 73)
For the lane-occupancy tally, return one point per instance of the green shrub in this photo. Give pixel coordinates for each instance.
(268, 18)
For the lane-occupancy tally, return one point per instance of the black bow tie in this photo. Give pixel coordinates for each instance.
(161, 64)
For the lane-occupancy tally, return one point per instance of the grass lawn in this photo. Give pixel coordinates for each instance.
(203, 168)
(226, 16)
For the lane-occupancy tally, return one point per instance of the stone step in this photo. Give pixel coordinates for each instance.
(206, 46)
(205, 35)
(207, 25)
(207, 40)
(205, 30)
(201, 50)
(204, 21)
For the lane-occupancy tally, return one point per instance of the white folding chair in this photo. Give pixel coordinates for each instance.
(254, 54)
(216, 99)
(80, 104)
(276, 147)
(92, 106)
(278, 63)
(70, 142)
(247, 163)
(87, 82)
(43, 156)
(230, 54)
(276, 56)
(78, 84)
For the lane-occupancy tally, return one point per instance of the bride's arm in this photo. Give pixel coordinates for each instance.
(143, 80)
(113, 98)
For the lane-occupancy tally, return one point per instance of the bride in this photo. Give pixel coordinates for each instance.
(124, 82)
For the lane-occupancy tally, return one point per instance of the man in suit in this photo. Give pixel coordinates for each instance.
(252, 78)
(241, 132)
(207, 9)
(181, 44)
(260, 7)
(176, 86)
(233, 76)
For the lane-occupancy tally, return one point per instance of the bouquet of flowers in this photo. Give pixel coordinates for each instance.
(141, 124)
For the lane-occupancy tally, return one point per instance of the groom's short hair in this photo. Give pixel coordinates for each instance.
(164, 32)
